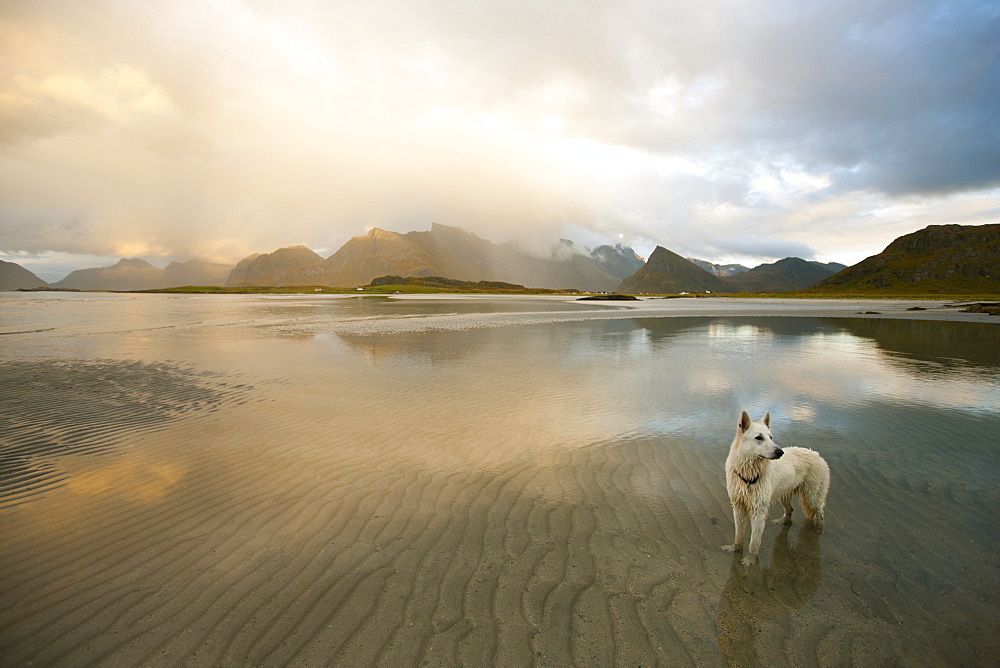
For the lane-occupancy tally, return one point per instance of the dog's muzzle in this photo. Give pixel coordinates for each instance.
(777, 453)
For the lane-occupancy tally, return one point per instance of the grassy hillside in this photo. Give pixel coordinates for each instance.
(938, 260)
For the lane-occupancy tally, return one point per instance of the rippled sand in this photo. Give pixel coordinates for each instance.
(297, 488)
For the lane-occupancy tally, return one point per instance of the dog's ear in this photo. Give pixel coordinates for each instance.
(766, 419)
(744, 421)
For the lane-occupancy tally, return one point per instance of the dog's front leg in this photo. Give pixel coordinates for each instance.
(740, 519)
(757, 522)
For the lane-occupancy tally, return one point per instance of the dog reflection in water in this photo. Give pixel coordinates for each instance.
(753, 596)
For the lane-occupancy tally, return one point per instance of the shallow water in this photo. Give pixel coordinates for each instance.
(245, 481)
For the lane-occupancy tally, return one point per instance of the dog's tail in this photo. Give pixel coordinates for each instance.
(812, 492)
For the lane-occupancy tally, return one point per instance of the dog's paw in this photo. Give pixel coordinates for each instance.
(749, 560)
(732, 548)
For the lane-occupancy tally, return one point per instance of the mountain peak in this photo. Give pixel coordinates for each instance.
(284, 266)
(438, 227)
(450, 231)
(721, 270)
(667, 272)
(134, 263)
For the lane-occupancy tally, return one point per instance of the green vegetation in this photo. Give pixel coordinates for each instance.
(249, 290)
(432, 284)
(609, 298)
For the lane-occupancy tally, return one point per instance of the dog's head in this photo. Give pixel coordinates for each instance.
(755, 437)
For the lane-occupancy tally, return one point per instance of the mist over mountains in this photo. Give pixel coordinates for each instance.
(137, 274)
(940, 258)
(441, 251)
(719, 269)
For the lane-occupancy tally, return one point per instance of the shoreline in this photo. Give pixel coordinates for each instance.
(476, 290)
(382, 321)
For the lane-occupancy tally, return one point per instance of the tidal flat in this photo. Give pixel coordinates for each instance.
(318, 480)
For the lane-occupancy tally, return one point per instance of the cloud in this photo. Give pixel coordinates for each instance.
(224, 127)
(754, 246)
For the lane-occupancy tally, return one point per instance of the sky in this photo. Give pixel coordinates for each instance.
(731, 131)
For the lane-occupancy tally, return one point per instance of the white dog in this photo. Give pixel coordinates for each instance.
(758, 473)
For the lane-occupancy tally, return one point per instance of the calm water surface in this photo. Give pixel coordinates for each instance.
(516, 454)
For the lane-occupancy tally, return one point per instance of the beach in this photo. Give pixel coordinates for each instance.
(488, 481)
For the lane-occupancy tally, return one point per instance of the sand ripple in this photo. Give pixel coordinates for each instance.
(55, 408)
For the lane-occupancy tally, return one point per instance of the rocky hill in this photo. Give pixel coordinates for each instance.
(667, 272)
(294, 265)
(127, 274)
(791, 273)
(946, 259)
(14, 277)
(137, 274)
(441, 251)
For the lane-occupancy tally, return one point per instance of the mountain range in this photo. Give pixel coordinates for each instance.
(136, 274)
(792, 273)
(938, 259)
(441, 251)
(667, 272)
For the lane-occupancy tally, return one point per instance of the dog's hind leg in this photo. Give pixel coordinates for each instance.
(787, 517)
(812, 509)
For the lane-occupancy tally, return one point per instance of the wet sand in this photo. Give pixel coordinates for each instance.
(442, 488)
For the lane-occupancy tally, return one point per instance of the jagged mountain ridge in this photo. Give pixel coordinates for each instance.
(441, 251)
(15, 277)
(791, 273)
(954, 259)
(720, 270)
(667, 272)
